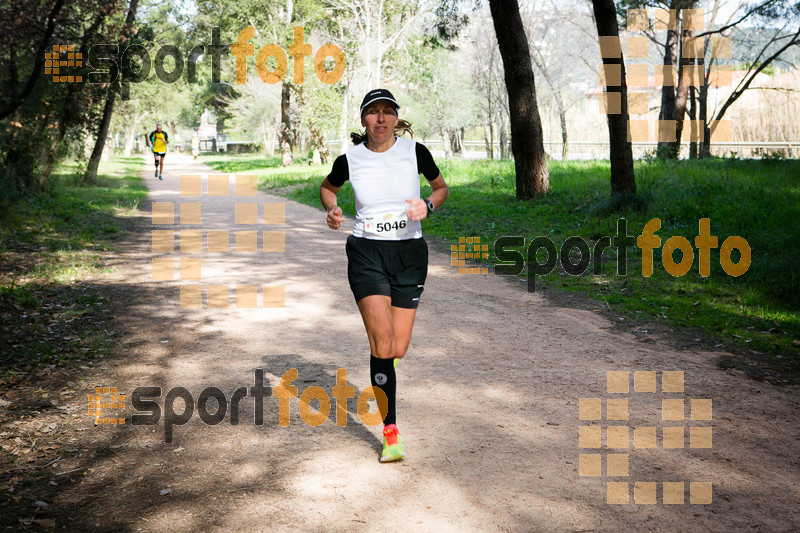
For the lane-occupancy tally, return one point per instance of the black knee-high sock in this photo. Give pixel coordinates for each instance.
(381, 372)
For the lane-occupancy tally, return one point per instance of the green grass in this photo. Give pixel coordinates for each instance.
(757, 200)
(51, 247)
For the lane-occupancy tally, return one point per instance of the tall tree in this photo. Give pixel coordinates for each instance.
(668, 100)
(767, 52)
(553, 44)
(622, 177)
(43, 111)
(370, 33)
(674, 97)
(70, 109)
(9, 105)
(685, 79)
(286, 131)
(530, 160)
(487, 79)
(102, 131)
(443, 99)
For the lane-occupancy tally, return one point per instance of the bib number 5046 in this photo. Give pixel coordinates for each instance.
(389, 226)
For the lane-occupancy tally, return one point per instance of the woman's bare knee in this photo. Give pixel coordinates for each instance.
(384, 344)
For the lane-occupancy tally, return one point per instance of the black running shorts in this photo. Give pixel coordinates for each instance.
(397, 269)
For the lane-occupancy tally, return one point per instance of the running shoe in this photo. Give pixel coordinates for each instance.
(161, 176)
(392, 445)
(156, 174)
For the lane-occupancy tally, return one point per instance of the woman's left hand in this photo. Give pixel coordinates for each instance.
(417, 209)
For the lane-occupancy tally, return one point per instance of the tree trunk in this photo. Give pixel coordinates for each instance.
(102, 135)
(693, 116)
(68, 110)
(556, 90)
(667, 111)
(562, 116)
(681, 95)
(53, 152)
(455, 141)
(622, 177)
(272, 134)
(343, 136)
(38, 137)
(705, 143)
(13, 157)
(266, 144)
(446, 143)
(317, 135)
(286, 134)
(129, 142)
(320, 142)
(530, 162)
(488, 138)
(503, 141)
(102, 132)
(38, 64)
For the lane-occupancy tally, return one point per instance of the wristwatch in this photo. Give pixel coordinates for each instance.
(431, 208)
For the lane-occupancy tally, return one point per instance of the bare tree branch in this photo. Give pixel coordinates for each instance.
(746, 81)
(38, 64)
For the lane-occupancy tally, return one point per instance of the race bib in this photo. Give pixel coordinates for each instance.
(390, 226)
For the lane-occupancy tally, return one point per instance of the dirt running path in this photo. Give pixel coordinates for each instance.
(488, 406)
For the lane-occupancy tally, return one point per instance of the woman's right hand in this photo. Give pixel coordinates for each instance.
(334, 217)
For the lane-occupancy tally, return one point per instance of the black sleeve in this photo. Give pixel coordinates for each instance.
(340, 171)
(425, 163)
(166, 136)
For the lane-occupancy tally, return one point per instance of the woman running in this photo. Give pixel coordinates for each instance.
(387, 256)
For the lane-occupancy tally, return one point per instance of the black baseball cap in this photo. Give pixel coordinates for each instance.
(378, 94)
